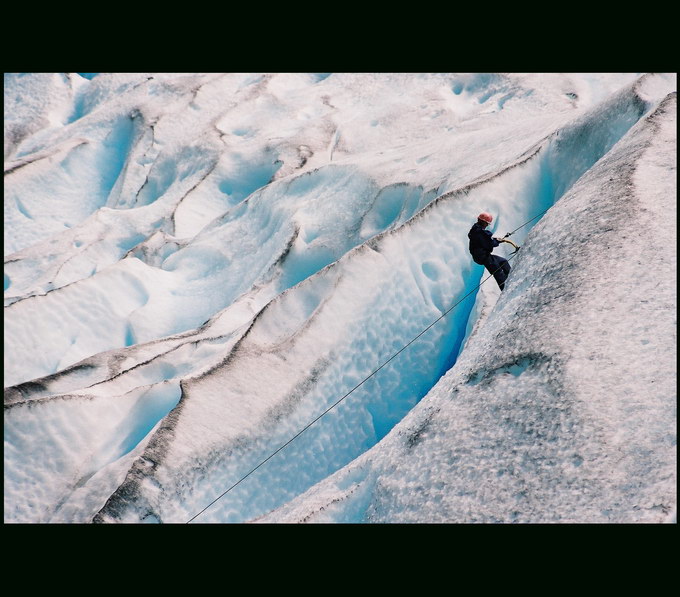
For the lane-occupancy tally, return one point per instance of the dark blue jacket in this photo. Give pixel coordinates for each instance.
(481, 243)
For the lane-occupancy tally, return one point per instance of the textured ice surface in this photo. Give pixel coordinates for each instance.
(199, 265)
(562, 406)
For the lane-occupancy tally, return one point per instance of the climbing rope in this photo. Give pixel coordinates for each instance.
(363, 381)
(525, 223)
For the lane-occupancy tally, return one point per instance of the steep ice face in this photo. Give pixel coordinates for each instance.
(561, 407)
(264, 243)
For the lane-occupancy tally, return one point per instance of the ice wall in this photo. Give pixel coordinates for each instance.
(562, 406)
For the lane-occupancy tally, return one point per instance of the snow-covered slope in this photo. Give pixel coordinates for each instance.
(197, 266)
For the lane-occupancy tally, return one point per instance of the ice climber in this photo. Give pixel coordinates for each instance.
(481, 246)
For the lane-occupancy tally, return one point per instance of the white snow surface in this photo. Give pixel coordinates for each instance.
(197, 266)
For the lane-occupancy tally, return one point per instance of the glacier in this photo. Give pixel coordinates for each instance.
(197, 266)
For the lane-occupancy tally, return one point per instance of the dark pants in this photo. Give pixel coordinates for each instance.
(499, 268)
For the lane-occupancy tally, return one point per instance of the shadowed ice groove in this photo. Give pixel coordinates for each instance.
(102, 431)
